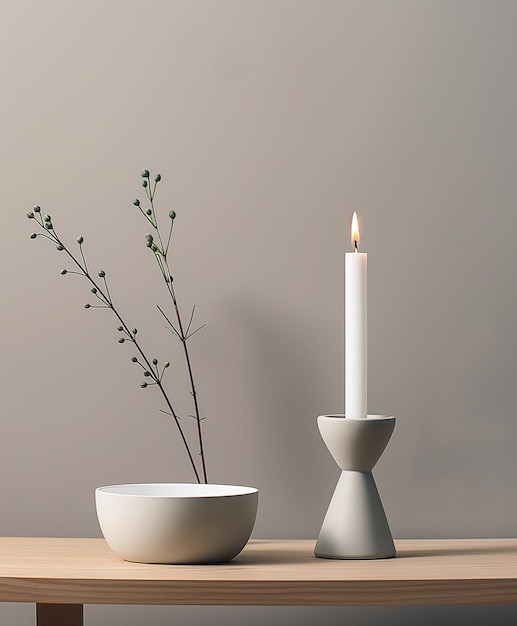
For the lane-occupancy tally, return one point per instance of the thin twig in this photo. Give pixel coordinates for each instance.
(49, 233)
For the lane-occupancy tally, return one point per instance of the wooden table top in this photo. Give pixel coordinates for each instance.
(276, 572)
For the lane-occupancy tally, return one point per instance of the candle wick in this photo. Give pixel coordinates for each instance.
(355, 245)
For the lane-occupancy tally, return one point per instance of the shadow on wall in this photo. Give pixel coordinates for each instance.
(287, 386)
(99, 615)
(480, 615)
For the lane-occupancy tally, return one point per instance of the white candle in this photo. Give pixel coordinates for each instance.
(356, 367)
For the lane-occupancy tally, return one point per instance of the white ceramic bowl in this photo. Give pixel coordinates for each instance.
(176, 522)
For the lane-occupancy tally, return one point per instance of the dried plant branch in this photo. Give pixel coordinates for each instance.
(101, 292)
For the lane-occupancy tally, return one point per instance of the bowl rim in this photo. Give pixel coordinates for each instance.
(124, 490)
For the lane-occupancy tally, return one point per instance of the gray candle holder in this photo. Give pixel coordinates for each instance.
(355, 526)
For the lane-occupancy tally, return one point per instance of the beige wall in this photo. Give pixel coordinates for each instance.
(270, 122)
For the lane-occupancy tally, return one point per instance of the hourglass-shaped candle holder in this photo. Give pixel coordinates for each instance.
(355, 526)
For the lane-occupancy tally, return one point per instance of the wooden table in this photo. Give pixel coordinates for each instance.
(61, 575)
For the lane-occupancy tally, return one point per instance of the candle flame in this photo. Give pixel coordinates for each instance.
(354, 230)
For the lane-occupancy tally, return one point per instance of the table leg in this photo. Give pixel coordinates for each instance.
(59, 615)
